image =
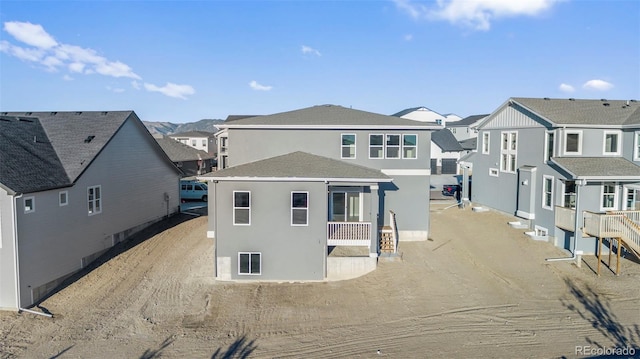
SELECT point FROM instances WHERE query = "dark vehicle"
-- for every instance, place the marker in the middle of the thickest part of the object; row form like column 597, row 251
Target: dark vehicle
column 450, row 189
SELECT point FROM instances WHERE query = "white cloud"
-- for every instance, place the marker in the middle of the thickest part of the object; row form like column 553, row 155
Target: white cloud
column 408, row 37
column 115, row 89
column 256, row 86
column 566, row 88
column 67, row 78
column 477, row 14
column 310, row 50
column 76, row 67
column 598, row 85
column 30, row 34
column 171, row 90
column 135, row 84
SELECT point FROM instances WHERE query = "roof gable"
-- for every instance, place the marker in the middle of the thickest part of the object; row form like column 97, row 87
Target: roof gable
column 299, row 166
column 179, row 152
column 326, row 116
column 446, row 141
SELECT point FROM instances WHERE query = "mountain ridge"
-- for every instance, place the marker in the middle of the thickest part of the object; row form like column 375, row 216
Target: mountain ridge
column 169, row 128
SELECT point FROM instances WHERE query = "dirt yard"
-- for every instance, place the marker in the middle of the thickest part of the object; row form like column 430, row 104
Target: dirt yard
column 477, row 288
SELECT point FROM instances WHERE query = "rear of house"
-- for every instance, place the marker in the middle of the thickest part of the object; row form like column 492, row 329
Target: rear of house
column 99, row 177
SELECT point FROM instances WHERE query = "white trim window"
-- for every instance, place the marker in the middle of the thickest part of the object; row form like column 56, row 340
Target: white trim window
column 632, row 199
column 348, row 145
column 392, row 146
column 63, row 198
column 508, row 151
column 241, row 208
column 547, row 192
column 493, row 172
column 485, row 143
column 612, row 142
column 94, row 200
column 569, row 194
column 609, row 196
column 549, row 145
column 249, row 263
column 299, row 208
column 29, row 204
column 636, row 146
column 376, row 145
column 573, row 142
column 410, row 146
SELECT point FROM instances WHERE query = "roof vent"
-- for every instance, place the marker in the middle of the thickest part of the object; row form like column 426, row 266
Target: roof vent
column 28, row 113
column 78, row 113
column 104, row 113
column 24, row 120
column 606, row 104
column 54, row 113
column 89, row 138
column 603, row 99
column 546, row 98
column 572, row 99
column 632, row 100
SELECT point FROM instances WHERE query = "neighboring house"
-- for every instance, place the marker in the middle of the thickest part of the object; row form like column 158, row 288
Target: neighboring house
column 565, row 166
column 303, row 182
column 223, row 142
column 465, row 128
column 200, row 140
column 72, row 185
column 191, row 161
column 445, row 153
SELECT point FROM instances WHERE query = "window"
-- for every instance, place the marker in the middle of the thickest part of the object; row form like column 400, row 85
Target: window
column 493, row 172
column 348, row 146
column 547, row 192
column 94, row 200
column 63, row 198
column 549, row 146
column 299, row 208
column 193, row 143
column 204, row 143
column 632, row 200
column 376, row 146
column 345, row 207
column 611, row 143
column 241, row 208
column 29, row 204
column 636, row 146
column 609, row 195
column 249, row 263
column 453, row 130
column 508, row 151
column 541, row 231
column 392, row 146
column 409, row 146
column 485, row 143
column 569, row 197
column 573, row 142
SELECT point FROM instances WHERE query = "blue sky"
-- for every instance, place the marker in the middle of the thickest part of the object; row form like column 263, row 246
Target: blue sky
column 188, row 60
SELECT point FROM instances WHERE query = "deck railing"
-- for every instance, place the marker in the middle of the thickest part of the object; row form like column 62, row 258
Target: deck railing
column 566, row 218
column 348, row 233
column 613, row 226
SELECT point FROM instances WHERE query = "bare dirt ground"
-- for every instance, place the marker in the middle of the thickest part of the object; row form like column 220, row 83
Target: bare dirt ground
column 477, row 288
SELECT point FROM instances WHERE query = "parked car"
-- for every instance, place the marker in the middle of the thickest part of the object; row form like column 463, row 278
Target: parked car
column 193, row 190
column 450, row 189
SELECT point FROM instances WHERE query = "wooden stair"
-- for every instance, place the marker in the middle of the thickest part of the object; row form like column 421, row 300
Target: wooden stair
column 388, row 236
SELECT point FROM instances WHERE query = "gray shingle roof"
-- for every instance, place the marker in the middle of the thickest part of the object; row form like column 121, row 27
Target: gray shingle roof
column 469, row 144
column 446, row 141
column 599, row 167
column 327, row 116
column 237, row 117
column 467, row 121
column 584, row 112
column 299, row 165
column 28, row 162
column 179, row 152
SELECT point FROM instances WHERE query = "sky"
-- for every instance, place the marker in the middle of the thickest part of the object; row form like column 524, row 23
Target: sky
column 182, row 61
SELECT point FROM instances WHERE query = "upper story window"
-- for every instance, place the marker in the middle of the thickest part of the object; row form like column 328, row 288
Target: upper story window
column 549, row 146
column 392, row 145
column 573, row 142
column 348, row 147
column 63, row 198
column 376, row 146
column 612, row 142
column 509, row 151
column 547, row 192
column 241, row 208
column 29, row 204
column 569, row 194
column 409, row 146
column 299, row 208
column 193, row 143
column 204, row 143
column 94, row 200
column 485, row 143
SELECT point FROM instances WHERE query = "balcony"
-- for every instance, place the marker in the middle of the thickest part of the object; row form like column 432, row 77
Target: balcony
column 565, row 218
column 348, row 233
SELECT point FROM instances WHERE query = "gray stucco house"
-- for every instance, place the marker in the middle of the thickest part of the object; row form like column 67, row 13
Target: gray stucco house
column 569, row 168
column 72, row 185
column 302, row 182
column 188, row 159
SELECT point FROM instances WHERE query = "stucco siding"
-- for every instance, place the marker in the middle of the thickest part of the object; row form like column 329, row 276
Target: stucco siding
column 287, row 252
column 408, row 197
column 133, row 179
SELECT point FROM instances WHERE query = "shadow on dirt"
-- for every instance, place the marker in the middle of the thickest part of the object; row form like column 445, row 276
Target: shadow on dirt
column 241, row 348
column 596, row 309
column 156, row 353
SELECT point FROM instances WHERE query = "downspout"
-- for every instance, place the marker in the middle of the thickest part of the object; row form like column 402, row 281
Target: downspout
column 577, row 227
